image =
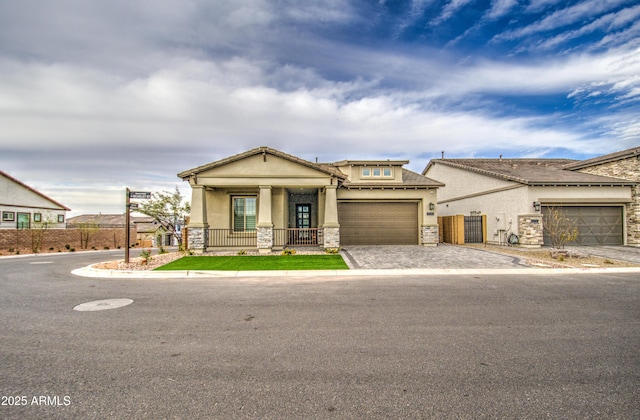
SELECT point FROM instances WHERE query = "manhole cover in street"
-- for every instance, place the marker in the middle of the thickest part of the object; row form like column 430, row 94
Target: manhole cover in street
column 101, row 305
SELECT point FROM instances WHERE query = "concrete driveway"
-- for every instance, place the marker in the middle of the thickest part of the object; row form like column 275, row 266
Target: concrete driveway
column 414, row 256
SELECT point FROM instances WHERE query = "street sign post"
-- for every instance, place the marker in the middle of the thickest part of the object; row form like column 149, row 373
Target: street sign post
column 136, row 195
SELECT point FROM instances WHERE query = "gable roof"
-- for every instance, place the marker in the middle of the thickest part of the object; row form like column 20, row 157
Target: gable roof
column 33, row 190
column 410, row 179
column 611, row 157
column 532, row 172
column 263, row 150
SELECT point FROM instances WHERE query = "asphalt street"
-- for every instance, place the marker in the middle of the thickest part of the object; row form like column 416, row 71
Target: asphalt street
column 473, row 346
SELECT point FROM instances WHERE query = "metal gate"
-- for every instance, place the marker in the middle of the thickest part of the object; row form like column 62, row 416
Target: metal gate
column 473, row 230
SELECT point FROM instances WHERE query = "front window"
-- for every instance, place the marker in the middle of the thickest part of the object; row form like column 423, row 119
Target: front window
column 244, row 214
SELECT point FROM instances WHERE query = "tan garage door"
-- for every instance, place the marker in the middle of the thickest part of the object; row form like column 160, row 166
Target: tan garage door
column 597, row 225
column 379, row 223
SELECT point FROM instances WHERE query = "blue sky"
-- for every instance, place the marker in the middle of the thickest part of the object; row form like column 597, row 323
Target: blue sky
column 97, row 96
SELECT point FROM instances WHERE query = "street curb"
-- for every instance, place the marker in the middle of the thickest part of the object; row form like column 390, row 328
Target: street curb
column 90, row 271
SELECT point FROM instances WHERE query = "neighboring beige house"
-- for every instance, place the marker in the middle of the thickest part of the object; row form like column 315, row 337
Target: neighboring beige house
column 266, row 199
column 515, row 193
column 23, row 207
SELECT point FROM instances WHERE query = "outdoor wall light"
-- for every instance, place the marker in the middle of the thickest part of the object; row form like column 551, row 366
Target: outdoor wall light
column 432, row 206
column 536, row 205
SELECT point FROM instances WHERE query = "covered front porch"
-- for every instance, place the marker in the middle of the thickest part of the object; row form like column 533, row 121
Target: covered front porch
column 264, row 217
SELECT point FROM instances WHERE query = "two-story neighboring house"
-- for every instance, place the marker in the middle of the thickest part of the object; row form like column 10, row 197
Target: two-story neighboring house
column 266, row 199
column 23, row 207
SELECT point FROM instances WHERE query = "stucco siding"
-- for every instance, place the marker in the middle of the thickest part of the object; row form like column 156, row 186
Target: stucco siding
column 12, row 194
column 460, row 183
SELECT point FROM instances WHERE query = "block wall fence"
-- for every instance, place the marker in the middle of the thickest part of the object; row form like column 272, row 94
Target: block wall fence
column 54, row 240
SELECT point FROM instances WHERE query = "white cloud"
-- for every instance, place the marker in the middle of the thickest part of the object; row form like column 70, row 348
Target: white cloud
column 449, row 10
column 607, row 22
column 500, row 7
column 563, row 17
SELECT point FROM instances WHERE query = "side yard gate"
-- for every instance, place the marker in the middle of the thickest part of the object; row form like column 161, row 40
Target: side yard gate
column 460, row 229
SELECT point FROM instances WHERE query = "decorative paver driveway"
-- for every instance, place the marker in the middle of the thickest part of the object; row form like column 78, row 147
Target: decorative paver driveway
column 414, row 256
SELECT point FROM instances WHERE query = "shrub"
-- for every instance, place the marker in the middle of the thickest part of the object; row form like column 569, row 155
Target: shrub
column 146, row 255
column 242, row 252
column 288, row 251
column 332, row 250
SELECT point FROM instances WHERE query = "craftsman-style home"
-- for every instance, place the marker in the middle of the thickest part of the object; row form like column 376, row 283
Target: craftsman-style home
column 267, row 199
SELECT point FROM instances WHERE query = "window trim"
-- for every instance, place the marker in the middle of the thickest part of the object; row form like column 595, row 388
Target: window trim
column 37, row 217
column 8, row 216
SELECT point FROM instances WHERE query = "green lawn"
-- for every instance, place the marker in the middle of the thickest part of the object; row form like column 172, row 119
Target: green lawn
column 262, row 262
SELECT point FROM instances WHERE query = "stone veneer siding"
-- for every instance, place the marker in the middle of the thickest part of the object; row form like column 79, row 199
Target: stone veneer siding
column 265, row 238
column 530, row 232
column 331, row 237
column 197, row 238
column 429, row 235
column 626, row 169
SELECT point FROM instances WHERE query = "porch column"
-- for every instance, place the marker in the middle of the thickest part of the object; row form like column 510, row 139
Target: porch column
column 265, row 224
column 331, row 226
column 198, row 226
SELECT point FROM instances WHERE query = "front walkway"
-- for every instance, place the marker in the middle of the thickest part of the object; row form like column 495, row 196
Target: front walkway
column 443, row 256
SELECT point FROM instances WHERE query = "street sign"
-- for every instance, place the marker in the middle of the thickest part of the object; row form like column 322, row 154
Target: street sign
column 140, row 195
column 133, row 206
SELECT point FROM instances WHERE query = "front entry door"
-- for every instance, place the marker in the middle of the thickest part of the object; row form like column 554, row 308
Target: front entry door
column 303, row 216
column 303, row 236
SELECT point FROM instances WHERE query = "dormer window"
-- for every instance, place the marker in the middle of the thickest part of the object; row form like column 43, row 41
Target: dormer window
column 377, row 172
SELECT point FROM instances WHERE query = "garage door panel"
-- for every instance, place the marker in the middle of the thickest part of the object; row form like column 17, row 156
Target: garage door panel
column 597, row 225
column 379, row 223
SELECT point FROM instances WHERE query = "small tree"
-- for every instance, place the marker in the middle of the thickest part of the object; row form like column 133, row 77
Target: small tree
column 168, row 209
column 87, row 230
column 37, row 234
column 558, row 227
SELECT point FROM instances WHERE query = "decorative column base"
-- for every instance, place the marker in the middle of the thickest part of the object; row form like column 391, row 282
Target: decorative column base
column 429, row 235
column 198, row 239
column 331, row 237
column 265, row 239
column 530, row 232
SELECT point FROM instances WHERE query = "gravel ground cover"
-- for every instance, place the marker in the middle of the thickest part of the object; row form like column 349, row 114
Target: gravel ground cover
column 541, row 257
